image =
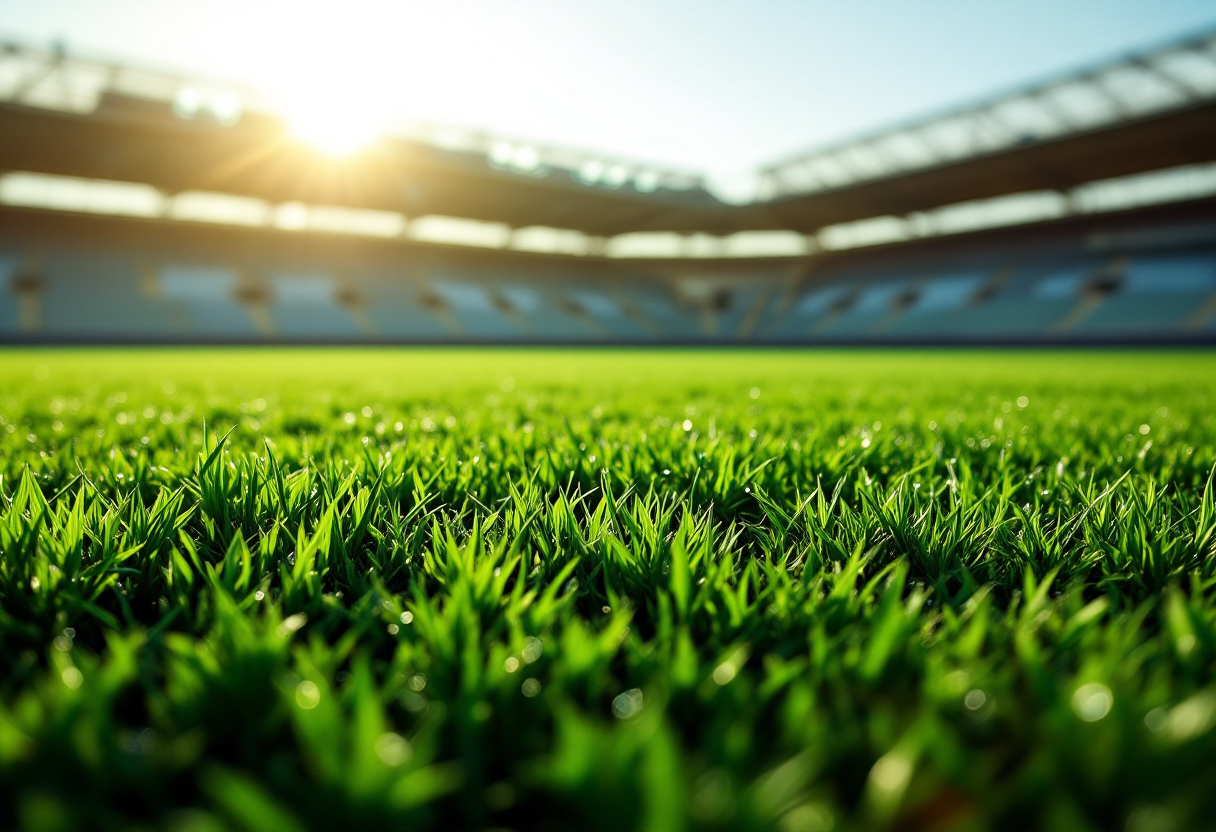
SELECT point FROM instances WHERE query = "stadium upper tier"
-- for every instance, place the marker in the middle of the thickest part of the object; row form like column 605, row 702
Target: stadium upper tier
column 1142, row 112
column 66, row 116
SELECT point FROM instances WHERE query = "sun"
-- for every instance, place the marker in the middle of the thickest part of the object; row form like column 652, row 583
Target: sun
column 335, row 129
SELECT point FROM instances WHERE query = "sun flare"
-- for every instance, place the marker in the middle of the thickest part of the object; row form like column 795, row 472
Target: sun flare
column 338, row 130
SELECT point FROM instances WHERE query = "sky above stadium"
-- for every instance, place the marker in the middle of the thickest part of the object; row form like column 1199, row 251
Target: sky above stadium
column 710, row 85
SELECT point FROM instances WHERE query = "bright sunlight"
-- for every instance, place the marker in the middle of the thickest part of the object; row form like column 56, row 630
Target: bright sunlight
column 334, row 127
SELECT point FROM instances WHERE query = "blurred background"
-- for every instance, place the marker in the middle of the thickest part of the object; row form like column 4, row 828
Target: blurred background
column 607, row 172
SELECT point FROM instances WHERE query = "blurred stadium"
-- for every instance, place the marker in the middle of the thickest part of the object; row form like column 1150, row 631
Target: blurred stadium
column 143, row 206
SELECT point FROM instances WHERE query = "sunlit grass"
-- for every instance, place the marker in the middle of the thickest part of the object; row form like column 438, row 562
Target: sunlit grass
column 607, row 590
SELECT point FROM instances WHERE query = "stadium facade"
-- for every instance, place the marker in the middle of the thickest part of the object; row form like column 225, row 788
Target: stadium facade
column 142, row 206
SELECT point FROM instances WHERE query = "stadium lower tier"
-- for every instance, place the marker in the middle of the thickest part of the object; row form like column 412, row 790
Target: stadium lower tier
column 1146, row 277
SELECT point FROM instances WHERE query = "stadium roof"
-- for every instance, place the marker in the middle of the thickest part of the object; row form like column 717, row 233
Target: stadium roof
column 1141, row 112
column 192, row 139
column 91, row 118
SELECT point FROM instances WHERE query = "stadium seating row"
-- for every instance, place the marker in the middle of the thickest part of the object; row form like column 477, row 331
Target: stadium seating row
column 100, row 295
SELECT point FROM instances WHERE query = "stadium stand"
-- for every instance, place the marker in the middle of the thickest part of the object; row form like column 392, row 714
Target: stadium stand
column 129, row 213
column 1043, row 283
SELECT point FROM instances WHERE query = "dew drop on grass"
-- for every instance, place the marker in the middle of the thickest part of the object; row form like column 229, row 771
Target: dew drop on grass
column 1092, row 701
column 724, row 672
column 511, row 664
column 1192, row 717
column 530, row 687
column 975, row 699
column 1156, row 720
column 627, row 704
column 392, row 749
column 808, row 817
column 71, row 677
column 1153, row 819
column 532, row 650
column 891, row 773
column 293, row 622
column 308, row 695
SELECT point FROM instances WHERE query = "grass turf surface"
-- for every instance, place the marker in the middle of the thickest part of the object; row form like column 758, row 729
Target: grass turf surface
column 607, row 590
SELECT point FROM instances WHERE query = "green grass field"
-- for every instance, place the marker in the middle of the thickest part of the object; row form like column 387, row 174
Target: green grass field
column 358, row 589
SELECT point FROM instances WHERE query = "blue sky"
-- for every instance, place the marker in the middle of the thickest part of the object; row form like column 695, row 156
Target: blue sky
column 711, row 85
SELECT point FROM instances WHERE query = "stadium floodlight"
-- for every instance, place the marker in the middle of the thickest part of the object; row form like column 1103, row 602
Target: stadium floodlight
column 501, row 154
column 191, row 103
column 187, row 102
column 226, row 108
column 525, row 159
column 616, row 176
column 591, row 171
column 522, row 158
column 646, row 181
